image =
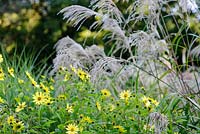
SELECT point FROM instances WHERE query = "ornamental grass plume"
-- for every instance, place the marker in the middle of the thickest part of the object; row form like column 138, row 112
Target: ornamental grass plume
column 159, row 122
column 110, row 71
column 71, row 53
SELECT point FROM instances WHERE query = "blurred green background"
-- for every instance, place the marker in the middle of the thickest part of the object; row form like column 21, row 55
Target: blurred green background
column 34, row 25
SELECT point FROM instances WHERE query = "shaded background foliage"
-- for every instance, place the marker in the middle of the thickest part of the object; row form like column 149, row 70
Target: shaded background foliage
column 35, row 25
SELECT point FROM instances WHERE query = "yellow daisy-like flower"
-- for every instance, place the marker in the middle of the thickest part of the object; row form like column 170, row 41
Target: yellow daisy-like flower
column 69, row 109
column 34, row 83
column 1, row 74
column 147, row 104
column 125, row 95
column 48, row 100
column 51, row 87
column 20, row 81
column 20, row 106
column 18, row 126
column 62, row 97
column 111, row 107
column 98, row 106
column 39, row 98
column 120, row 129
column 72, row 129
column 144, row 99
column 11, row 71
column 87, row 119
column 155, row 102
column 148, row 127
column 73, row 69
column 11, row 120
column 1, row 58
column 67, row 77
column 52, row 80
column 1, row 100
column 105, row 93
column 45, row 88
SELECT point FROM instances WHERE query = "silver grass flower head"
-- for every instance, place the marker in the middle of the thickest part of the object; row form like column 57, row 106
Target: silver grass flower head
column 107, row 7
column 109, row 71
column 188, row 6
column 68, row 52
column 159, row 121
column 76, row 15
column 95, row 52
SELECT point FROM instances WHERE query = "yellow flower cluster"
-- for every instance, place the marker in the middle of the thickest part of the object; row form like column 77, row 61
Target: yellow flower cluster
column 81, row 74
column 149, row 101
column 17, row 125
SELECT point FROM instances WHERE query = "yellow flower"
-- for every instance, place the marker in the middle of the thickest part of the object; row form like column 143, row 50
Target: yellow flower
column 83, row 75
column 11, row 71
column 120, row 129
column 147, row 104
column 73, row 69
column 20, row 106
column 34, row 83
column 1, row 100
column 144, row 99
column 72, row 129
column 125, row 95
column 48, row 100
column 155, row 102
column 1, row 58
column 87, row 119
column 132, row 118
column 18, row 126
column 51, row 87
column 1, row 74
column 29, row 75
column 11, row 120
column 43, row 77
column 20, row 81
column 67, row 77
column 105, row 93
column 98, row 106
column 39, row 98
column 52, row 80
column 112, row 107
column 148, row 127
column 69, row 108
column 62, row 97
column 45, row 88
